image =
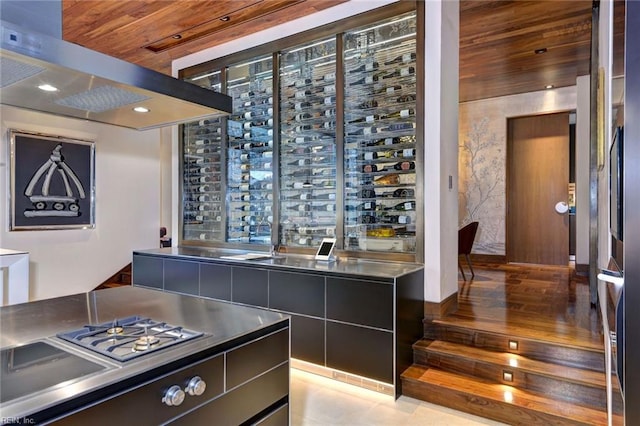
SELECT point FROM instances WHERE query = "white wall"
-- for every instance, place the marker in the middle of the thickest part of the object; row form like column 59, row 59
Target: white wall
column 127, row 177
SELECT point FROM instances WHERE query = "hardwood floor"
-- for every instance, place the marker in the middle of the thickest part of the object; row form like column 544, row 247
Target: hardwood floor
column 524, row 347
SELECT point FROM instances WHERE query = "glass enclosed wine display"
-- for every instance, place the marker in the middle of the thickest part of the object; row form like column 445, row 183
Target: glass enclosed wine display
column 308, row 143
column 380, row 136
column 203, row 197
column 327, row 150
column 249, row 150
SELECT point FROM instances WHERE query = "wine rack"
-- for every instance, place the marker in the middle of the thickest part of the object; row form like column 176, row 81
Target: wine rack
column 308, row 144
column 250, row 152
column 379, row 136
column 202, row 174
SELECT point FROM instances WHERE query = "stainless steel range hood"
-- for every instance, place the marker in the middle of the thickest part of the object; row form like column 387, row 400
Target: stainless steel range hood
column 94, row 86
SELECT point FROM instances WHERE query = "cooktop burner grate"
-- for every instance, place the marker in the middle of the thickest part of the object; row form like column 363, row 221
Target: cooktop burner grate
column 127, row 338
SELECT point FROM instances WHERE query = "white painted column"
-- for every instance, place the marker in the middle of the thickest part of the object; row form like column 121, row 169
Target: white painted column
column 441, row 149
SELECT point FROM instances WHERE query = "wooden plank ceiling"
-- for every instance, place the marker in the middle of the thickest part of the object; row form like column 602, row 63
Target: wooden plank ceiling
column 498, row 39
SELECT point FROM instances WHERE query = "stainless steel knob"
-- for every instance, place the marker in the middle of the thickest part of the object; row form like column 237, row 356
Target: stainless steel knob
column 173, row 396
column 196, row 386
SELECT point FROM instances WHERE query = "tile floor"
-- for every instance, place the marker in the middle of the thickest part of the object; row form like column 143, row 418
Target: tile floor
column 319, row 401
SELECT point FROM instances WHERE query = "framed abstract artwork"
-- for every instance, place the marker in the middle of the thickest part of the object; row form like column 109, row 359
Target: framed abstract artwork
column 52, row 182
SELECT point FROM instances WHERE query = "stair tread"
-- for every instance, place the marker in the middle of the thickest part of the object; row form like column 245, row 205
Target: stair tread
column 514, row 361
column 579, row 341
column 504, row 394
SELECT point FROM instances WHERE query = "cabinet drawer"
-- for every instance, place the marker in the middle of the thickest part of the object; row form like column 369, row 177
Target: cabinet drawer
column 307, row 339
column 215, row 281
column 361, row 351
column 250, row 286
column 181, row 276
column 297, row 293
column 360, row 302
column 147, row 271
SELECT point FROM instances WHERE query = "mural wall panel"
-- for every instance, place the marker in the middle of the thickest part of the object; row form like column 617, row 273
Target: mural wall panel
column 482, row 158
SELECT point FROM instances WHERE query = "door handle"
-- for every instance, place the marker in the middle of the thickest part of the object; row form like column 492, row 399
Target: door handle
column 562, row 207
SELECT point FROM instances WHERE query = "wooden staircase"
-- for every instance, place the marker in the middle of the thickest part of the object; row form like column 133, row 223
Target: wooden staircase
column 119, row 279
column 510, row 372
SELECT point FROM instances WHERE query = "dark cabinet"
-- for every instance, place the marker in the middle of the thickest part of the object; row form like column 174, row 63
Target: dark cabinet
column 181, row 276
column 297, row 293
column 360, row 302
column 359, row 350
column 215, row 281
column 364, row 327
column 148, row 271
column 307, row 339
column 250, row 286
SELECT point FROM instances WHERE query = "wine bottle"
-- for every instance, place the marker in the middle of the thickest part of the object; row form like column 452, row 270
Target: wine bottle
column 324, row 207
column 204, row 122
column 330, row 112
column 298, row 106
column 248, row 104
column 300, row 207
column 330, row 88
column 403, row 193
column 389, row 90
column 302, row 128
column 403, row 113
column 405, row 58
column 369, row 168
column 400, row 219
column 300, row 83
column 329, row 196
column 402, row 72
column 367, row 218
column 202, row 141
column 406, row 98
column 390, row 179
column 303, row 116
column 327, row 77
column 370, row 79
column 394, row 127
column 247, row 95
column 244, row 208
column 302, row 94
column 328, row 125
column 303, row 162
column 303, row 139
column 300, row 185
column 363, row 131
column 372, row 103
column 384, row 142
column 369, row 66
column 329, row 100
column 366, row 206
column 367, row 119
column 405, row 153
column 406, row 206
column 405, row 165
column 367, row 193
column 373, row 155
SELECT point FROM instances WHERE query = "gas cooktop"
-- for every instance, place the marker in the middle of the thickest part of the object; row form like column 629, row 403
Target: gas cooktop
column 127, row 338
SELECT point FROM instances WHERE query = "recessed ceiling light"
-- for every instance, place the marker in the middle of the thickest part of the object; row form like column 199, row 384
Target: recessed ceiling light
column 141, row 109
column 177, row 37
column 225, row 18
column 48, row 88
column 540, row 51
column 549, row 86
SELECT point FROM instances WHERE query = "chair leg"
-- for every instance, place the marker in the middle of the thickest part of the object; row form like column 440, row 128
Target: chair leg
column 461, row 270
column 470, row 266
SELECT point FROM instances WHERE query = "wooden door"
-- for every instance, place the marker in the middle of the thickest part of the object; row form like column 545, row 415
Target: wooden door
column 537, row 179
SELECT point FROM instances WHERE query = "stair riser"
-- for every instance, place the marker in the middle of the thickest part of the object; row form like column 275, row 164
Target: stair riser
column 543, row 351
column 580, row 394
column 472, row 404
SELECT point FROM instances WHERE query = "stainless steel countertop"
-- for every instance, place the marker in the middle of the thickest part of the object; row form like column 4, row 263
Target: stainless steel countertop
column 41, row 320
column 342, row 266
